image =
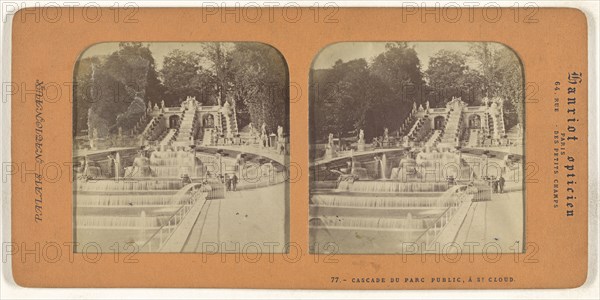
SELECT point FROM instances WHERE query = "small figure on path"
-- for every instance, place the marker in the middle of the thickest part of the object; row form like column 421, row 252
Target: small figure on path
column 494, row 185
column 227, row 182
column 234, row 180
column 501, row 184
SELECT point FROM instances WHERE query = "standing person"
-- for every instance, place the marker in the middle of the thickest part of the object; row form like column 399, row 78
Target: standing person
column 227, row 183
column 501, row 184
column 234, row 180
column 494, row 185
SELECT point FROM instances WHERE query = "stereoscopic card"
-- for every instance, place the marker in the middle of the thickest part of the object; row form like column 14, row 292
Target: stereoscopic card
column 306, row 148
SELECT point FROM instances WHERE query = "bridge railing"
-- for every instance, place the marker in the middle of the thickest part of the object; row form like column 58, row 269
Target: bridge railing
column 431, row 234
column 186, row 197
column 483, row 193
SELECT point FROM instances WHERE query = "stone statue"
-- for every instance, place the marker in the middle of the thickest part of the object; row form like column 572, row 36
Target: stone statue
column 485, row 101
column 414, row 106
column 361, row 141
column 405, row 141
column 420, row 107
column 386, row 137
column 156, row 106
column 493, row 109
column 226, row 110
column 263, row 135
column 427, row 105
column 92, row 141
column 498, row 100
column 330, row 151
column 280, row 132
column 251, row 128
column 162, row 104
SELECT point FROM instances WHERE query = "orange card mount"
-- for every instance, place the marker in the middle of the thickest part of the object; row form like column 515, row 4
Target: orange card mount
column 245, row 148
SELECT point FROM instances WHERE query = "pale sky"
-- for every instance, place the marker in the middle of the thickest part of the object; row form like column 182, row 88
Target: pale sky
column 324, row 59
column 159, row 49
column 368, row 50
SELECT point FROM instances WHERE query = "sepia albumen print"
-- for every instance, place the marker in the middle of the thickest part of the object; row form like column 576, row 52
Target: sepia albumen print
column 181, row 147
column 416, row 147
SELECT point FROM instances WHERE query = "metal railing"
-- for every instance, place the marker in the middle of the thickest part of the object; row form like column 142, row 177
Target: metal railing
column 187, row 197
column 483, row 193
column 431, row 234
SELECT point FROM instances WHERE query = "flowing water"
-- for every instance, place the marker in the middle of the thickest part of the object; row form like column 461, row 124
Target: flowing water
column 377, row 216
column 383, row 166
column 131, row 210
column 376, row 202
column 392, row 186
column 101, row 200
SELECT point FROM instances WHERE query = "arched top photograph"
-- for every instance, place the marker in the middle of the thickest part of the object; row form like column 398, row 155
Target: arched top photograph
column 171, row 138
column 416, row 142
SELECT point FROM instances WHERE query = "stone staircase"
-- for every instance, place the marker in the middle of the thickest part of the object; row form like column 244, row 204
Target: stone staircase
column 498, row 125
column 474, row 139
column 153, row 130
column 452, row 127
column 419, row 131
column 228, row 125
column 186, row 127
column 207, row 138
column 433, row 139
column 491, row 127
column 168, row 138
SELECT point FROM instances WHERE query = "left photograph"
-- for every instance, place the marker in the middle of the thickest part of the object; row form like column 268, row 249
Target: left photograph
column 181, row 147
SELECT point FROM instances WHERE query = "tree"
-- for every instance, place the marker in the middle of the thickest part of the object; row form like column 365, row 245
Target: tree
column 398, row 65
column 258, row 80
column 399, row 69
column 510, row 76
column 502, row 76
column 152, row 89
column 484, row 54
column 123, row 78
column 354, row 95
column 450, row 76
column 82, row 93
column 347, row 98
column 218, row 56
column 183, row 76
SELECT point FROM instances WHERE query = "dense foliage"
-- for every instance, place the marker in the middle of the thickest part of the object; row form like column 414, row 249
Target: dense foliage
column 113, row 91
column 379, row 94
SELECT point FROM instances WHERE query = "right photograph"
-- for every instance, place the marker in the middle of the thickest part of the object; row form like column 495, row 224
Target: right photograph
column 417, row 147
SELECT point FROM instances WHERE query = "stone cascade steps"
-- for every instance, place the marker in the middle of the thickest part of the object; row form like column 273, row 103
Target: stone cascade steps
column 474, row 137
column 186, row 126
column 452, row 127
column 433, row 139
column 168, row 137
column 153, row 130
